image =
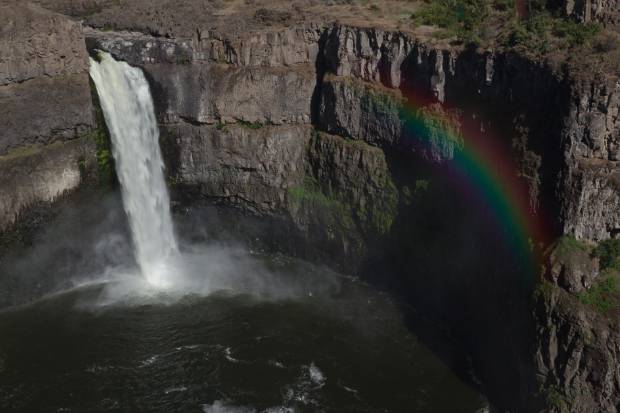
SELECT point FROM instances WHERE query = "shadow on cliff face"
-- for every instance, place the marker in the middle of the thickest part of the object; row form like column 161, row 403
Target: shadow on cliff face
column 447, row 258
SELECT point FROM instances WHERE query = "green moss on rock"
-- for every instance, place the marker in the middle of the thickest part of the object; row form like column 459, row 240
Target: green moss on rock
column 556, row 399
column 608, row 253
column 567, row 246
column 309, row 195
column 604, row 295
column 101, row 136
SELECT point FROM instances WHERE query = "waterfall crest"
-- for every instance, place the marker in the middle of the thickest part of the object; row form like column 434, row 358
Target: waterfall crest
column 129, row 114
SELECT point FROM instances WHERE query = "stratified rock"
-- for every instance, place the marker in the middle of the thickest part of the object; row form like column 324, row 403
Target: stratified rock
column 577, row 354
column 571, row 267
column 248, row 167
column 45, row 99
column 35, row 42
column 41, row 174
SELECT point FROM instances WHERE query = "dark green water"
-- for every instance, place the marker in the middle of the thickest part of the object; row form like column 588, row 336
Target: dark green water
column 341, row 348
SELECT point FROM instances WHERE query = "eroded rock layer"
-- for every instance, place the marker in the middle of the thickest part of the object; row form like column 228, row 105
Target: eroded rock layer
column 289, row 115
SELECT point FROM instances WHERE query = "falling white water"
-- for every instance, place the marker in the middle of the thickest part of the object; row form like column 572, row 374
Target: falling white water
column 128, row 109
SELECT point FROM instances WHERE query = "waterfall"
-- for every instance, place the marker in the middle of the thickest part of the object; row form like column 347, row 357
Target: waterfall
column 129, row 114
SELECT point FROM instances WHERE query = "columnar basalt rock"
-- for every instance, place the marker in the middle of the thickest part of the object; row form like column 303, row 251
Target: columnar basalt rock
column 302, row 119
column 577, row 354
column 604, row 11
column 251, row 168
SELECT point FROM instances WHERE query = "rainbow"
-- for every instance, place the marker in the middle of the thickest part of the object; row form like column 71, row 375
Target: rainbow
column 489, row 171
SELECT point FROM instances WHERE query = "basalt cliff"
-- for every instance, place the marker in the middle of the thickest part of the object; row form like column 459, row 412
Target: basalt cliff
column 300, row 116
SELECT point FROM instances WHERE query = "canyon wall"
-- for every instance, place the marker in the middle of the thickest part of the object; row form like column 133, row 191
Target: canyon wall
column 603, row 11
column 307, row 123
column 46, row 107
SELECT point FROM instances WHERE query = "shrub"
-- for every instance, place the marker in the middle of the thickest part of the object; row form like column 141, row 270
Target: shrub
column 535, row 33
column 250, row 125
column 606, row 44
column 604, row 295
column 504, row 5
column 463, row 19
column 568, row 246
column 576, row 33
column 556, row 399
column 608, row 253
column 532, row 34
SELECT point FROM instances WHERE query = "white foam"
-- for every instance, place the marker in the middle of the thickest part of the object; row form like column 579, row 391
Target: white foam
column 219, row 406
column 316, row 375
column 149, row 361
column 178, row 389
column 276, row 363
column 229, row 357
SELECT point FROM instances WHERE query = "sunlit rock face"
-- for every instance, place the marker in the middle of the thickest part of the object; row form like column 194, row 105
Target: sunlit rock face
column 43, row 70
column 39, row 175
column 46, row 107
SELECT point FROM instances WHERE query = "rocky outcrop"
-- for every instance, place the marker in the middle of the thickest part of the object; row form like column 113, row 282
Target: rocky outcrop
column 196, row 84
column 46, row 105
column 41, row 174
column 604, row 11
column 36, row 43
column 577, row 354
column 62, row 106
column 592, row 183
column 346, row 202
column 570, row 265
column 250, row 168
column 309, row 122
column 361, row 110
column 43, row 70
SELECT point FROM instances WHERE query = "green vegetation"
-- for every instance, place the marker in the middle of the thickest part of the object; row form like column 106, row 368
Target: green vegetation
column 567, row 247
column 250, row 125
column 22, row 151
column 82, row 166
column 421, row 185
column 604, row 295
column 383, row 209
column 607, row 43
column 221, row 126
column 463, row 19
column 538, row 32
column 101, row 136
column 373, row 218
column 608, row 253
column 482, row 21
column 576, row 33
column 310, row 195
column 556, row 399
column 184, row 60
